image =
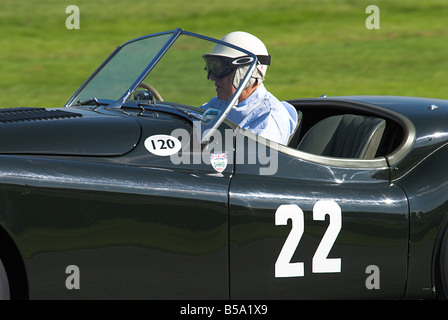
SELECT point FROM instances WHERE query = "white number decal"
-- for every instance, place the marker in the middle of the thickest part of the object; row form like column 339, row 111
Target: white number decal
column 283, row 266
column 162, row 145
column 321, row 263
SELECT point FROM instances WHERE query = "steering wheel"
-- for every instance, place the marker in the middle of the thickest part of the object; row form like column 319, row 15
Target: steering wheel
column 152, row 90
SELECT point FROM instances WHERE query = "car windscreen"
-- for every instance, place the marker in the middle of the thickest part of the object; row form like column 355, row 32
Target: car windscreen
column 117, row 74
column 169, row 67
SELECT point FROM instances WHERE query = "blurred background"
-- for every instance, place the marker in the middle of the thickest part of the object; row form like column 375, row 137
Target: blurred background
column 317, row 46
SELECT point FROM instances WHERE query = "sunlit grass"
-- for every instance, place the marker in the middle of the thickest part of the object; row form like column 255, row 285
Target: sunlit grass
column 318, row 46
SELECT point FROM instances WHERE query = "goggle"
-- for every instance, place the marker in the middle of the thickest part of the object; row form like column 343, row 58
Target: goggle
column 221, row 67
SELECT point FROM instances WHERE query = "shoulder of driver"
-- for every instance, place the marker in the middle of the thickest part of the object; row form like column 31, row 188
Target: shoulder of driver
column 263, row 114
column 274, row 120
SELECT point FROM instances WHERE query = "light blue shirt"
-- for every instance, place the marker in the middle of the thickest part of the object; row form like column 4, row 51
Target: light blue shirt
column 263, row 114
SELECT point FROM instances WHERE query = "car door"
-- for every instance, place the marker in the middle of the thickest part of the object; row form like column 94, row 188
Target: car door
column 310, row 229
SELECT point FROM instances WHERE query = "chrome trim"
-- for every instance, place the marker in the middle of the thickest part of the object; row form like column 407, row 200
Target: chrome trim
column 208, row 129
column 176, row 34
column 118, row 48
column 403, row 149
column 379, row 163
column 432, row 107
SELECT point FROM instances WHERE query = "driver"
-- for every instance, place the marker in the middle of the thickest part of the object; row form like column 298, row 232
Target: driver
column 257, row 109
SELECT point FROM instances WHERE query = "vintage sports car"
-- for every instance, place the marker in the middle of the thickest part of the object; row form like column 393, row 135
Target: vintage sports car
column 132, row 190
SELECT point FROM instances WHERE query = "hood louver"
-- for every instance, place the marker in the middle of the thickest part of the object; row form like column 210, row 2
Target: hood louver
column 34, row 114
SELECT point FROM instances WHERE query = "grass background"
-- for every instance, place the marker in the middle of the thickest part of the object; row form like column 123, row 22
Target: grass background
column 318, row 46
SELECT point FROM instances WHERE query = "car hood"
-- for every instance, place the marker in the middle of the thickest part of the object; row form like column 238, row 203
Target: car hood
column 66, row 131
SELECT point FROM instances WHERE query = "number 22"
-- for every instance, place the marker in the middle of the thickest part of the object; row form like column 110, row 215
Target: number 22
column 320, row 264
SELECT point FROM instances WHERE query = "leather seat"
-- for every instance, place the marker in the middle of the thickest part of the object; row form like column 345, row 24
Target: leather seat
column 347, row 136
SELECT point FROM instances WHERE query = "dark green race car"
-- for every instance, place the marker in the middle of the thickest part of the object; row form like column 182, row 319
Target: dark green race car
column 133, row 191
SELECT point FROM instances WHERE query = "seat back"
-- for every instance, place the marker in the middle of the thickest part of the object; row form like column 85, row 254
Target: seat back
column 347, row 136
column 297, row 117
column 295, row 136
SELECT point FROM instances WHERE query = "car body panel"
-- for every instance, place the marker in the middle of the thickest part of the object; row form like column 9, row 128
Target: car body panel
column 130, row 228
column 374, row 231
column 426, row 189
column 64, row 132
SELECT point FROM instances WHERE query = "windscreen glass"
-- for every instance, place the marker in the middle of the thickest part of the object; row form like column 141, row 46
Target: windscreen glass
column 120, row 72
column 176, row 69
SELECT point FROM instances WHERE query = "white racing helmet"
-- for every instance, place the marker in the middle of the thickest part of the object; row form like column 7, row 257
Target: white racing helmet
column 223, row 59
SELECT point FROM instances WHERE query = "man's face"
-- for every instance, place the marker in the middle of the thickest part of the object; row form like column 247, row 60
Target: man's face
column 224, row 86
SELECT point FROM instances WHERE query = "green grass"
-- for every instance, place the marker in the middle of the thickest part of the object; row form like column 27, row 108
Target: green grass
column 318, row 46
